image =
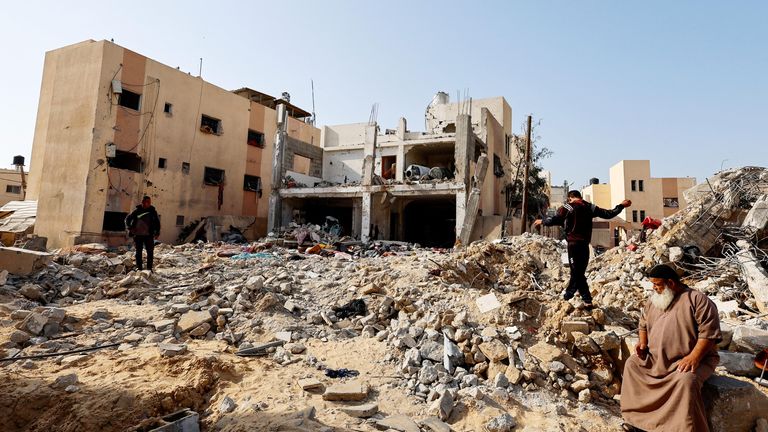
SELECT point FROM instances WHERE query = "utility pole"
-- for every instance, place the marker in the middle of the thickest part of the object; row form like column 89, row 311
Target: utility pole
column 525, row 177
column 274, row 220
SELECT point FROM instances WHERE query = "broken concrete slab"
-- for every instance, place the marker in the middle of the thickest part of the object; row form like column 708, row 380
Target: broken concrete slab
column 741, row 364
column 23, row 262
column 487, row 303
column 748, row 339
column 398, row 422
column 192, row 319
column 351, row 391
column 545, row 352
column 494, row 350
column 754, row 275
column 170, row 350
column 360, row 411
column 732, row 405
column 308, row 384
column 34, row 323
column 569, row 327
column 434, row 424
column 757, row 217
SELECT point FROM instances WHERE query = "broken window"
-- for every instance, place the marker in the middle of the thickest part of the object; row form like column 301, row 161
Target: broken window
column 162, row 163
column 642, row 215
column 185, row 167
column 640, row 185
column 634, row 215
column 498, row 168
column 213, row 176
column 634, row 185
column 301, row 164
column 12, row 189
column 168, row 108
column 126, row 160
column 129, row 99
column 210, row 125
column 255, row 138
column 672, row 202
column 252, row 183
column 388, row 165
column 114, row 221
column 179, row 220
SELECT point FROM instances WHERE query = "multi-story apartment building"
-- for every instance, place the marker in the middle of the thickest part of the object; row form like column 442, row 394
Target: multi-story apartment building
column 10, row 186
column 651, row 197
column 113, row 125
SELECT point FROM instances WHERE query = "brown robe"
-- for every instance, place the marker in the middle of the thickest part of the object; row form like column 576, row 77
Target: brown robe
column 654, row 395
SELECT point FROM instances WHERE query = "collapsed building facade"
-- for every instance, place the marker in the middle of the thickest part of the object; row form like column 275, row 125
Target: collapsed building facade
column 113, row 125
column 451, row 182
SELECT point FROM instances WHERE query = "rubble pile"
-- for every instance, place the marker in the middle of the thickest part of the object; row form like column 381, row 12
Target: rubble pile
column 465, row 337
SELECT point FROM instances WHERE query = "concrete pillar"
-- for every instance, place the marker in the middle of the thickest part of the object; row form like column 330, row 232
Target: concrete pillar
column 365, row 225
column 400, row 163
column 357, row 217
column 401, row 128
column 461, row 209
column 369, row 154
column 274, row 215
column 464, row 148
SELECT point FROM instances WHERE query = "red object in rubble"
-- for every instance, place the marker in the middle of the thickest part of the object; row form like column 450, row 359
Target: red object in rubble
column 632, row 247
column 651, row 223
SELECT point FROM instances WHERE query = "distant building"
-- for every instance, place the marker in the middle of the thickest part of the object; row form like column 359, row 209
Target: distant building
column 651, row 197
column 114, row 125
column 10, row 186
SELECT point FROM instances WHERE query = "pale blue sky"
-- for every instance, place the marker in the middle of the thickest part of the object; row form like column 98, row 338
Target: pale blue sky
column 684, row 84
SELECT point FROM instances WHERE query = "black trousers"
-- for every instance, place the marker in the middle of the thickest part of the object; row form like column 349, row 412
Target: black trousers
column 578, row 258
column 147, row 242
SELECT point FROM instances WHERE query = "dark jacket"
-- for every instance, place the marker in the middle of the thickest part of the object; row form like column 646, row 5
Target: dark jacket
column 577, row 216
column 143, row 222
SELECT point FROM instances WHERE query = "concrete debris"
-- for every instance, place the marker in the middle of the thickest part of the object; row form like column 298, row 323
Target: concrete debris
column 399, row 422
column 351, row 391
column 501, row 423
column 227, row 405
column 361, row 411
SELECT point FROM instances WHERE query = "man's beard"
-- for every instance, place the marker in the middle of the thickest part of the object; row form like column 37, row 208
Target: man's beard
column 663, row 300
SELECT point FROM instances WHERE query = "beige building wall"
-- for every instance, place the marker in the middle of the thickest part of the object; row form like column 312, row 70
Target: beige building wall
column 598, row 194
column 10, row 186
column 80, row 115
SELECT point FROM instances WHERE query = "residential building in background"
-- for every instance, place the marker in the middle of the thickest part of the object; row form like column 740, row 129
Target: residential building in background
column 654, row 197
column 10, row 186
column 114, row 125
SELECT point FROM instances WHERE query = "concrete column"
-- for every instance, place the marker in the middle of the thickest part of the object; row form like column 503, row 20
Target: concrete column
column 274, row 215
column 464, row 148
column 400, row 163
column 369, row 154
column 461, row 209
column 357, row 217
column 401, row 128
column 365, row 233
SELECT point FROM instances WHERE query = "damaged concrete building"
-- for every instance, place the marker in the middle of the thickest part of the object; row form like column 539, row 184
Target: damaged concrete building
column 114, row 125
column 450, row 182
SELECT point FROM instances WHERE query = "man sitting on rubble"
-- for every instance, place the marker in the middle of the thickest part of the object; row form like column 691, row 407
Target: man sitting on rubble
column 576, row 216
column 677, row 352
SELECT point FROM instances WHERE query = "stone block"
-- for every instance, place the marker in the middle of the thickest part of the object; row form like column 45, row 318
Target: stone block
column 398, row 422
column 569, row 327
column 494, row 350
column 170, row 350
column 434, row 424
column 732, row 405
column 308, row 384
column 22, row 261
column 545, row 352
column 487, row 303
column 360, row 411
column 749, row 339
column 351, row 391
column 192, row 319
column 742, row 364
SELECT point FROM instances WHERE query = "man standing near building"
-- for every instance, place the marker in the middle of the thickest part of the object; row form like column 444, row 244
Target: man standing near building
column 679, row 331
column 576, row 217
column 144, row 226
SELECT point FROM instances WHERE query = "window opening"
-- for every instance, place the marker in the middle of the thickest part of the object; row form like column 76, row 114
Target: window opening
column 12, row 189
column 252, row 183
column 634, row 215
column 114, row 221
column 179, row 220
column 255, row 138
column 642, row 215
column 129, row 100
column 162, row 163
column 210, row 125
column 634, row 185
column 126, row 160
column 640, row 185
column 213, row 176
column 185, row 167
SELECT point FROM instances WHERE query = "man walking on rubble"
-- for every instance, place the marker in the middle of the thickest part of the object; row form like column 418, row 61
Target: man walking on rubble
column 679, row 331
column 576, row 217
column 144, row 226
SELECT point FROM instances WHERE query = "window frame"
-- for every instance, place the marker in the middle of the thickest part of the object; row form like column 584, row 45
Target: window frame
column 121, row 97
column 208, row 173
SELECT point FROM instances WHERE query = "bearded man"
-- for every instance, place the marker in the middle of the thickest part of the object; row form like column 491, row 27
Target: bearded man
column 677, row 352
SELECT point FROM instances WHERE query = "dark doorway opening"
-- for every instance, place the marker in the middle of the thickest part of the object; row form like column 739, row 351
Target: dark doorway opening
column 316, row 211
column 431, row 222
